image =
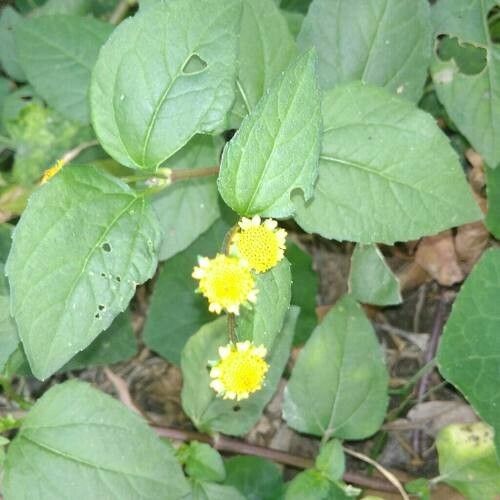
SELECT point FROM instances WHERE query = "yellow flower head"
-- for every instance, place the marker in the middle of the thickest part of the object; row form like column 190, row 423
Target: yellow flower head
column 50, row 172
column 240, row 371
column 226, row 282
column 262, row 244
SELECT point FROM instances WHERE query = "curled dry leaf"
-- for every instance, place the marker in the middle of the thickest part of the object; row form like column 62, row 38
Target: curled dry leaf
column 437, row 255
column 476, row 174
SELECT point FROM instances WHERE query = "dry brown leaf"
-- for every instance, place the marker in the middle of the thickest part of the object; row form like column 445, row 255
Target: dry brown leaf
column 470, row 242
column 476, row 174
column 434, row 415
column 437, row 255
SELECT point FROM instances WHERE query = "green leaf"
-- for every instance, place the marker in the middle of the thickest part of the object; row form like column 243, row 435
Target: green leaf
column 213, row 414
column 8, row 331
column 266, row 49
column 171, row 63
column 9, row 19
column 212, row 491
column 331, row 460
column 472, row 100
column 78, row 441
column 420, row 488
column 276, row 149
column 57, row 53
column 6, row 87
column 264, row 321
column 467, row 460
column 176, row 312
column 493, row 191
column 304, row 291
column 202, row 462
column 338, row 387
column 295, row 5
column 469, row 350
column 117, row 343
column 254, row 477
column 371, row 280
column 312, row 485
column 387, row 172
column 90, row 240
column 41, row 136
column 187, row 209
column 385, row 43
column 18, row 100
column 75, row 7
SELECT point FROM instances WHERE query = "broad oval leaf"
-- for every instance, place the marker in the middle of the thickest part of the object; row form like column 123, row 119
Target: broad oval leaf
column 266, row 49
column 471, row 100
column 382, row 42
column 276, row 149
column 338, row 387
column 164, row 75
column 77, row 439
column 263, row 322
column 210, row 413
column 469, row 352
column 371, row 280
column 83, row 244
column 387, row 173
column 61, row 48
column 187, row 209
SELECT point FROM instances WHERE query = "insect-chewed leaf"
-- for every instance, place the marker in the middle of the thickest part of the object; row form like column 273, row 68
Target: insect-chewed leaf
column 164, row 75
column 83, row 244
column 276, row 149
column 471, row 98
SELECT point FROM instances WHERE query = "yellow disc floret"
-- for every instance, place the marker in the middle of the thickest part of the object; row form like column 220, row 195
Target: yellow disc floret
column 240, row 371
column 50, row 172
column 226, row 282
column 262, row 244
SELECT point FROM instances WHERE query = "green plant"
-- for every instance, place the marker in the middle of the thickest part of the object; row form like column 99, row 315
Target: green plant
column 188, row 139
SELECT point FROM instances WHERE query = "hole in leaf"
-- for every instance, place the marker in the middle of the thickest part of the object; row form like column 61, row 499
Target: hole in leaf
column 97, row 316
column 106, row 247
column 494, row 24
column 103, row 275
column 101, row 307
column 236, row 408
column 470, row 59
column 118, row 279
column 194, row 65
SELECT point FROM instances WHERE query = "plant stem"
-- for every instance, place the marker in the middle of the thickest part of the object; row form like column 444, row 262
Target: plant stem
column 73, row 153
column 430, row 353
column 225, row 444
column 190, row 173
column 121, row 11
